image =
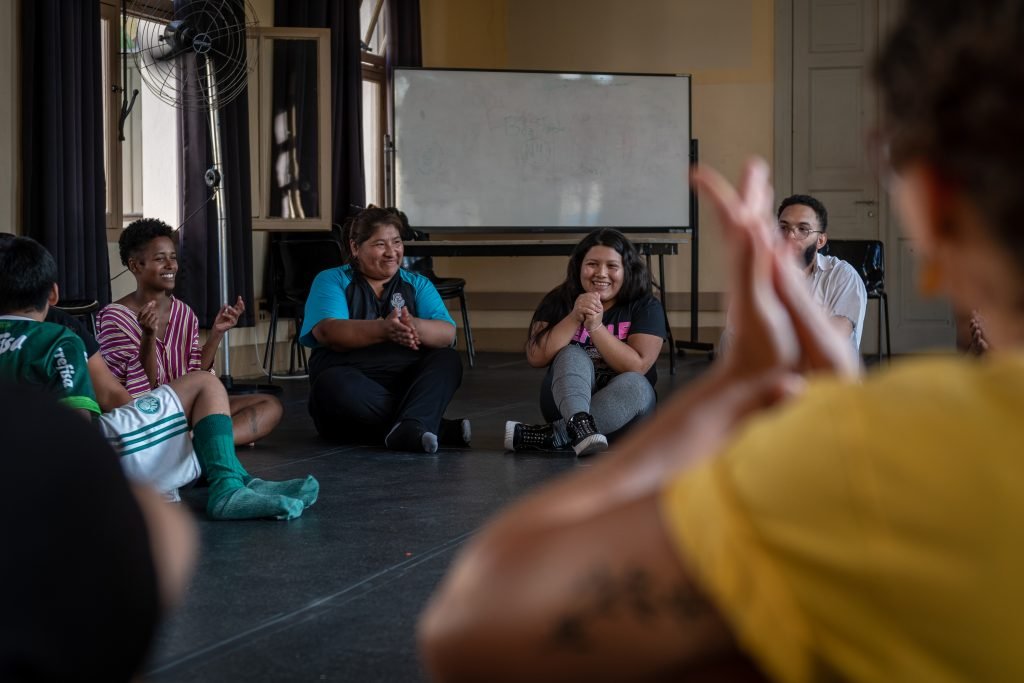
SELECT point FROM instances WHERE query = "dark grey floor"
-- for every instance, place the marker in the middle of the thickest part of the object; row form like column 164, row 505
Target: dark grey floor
column 334, row 595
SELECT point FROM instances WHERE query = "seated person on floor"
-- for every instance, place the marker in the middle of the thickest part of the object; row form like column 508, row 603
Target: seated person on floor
column 87, row 572
column 149, row 337
column 599, row 333
column 834, row 283
column 150, row 433
column 382, row 368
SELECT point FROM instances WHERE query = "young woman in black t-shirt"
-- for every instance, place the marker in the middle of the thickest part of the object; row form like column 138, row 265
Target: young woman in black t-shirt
column 599, row 334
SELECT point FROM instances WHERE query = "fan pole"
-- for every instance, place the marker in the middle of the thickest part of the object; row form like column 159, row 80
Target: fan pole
column 215, row 180
column 220, row 199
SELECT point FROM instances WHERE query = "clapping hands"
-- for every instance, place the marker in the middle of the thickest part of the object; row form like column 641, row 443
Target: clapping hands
column 588, row 310
column 228, row 316
column 979, row 342
column 149, row 319
column 778, row 325
column 401, row 329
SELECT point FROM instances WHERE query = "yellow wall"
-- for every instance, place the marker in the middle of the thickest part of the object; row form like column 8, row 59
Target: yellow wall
column 465, row 33
column 726, row 45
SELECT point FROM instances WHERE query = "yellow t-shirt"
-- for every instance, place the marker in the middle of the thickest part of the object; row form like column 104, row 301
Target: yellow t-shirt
column 871, row 532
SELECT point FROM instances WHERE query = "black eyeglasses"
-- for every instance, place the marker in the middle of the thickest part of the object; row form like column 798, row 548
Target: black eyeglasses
column 798, row 231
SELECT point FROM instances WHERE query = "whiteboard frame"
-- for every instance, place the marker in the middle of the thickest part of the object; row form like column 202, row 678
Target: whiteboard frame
column 392, row 151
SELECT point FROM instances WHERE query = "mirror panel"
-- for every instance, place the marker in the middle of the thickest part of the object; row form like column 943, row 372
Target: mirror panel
column 291, row 133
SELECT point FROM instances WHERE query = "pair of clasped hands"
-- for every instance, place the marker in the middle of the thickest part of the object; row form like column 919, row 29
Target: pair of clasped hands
column 399, row 328
column 588, row 311
column 780, row 333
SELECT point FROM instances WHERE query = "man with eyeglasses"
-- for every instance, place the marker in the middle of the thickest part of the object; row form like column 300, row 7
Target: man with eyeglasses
column 834, row 283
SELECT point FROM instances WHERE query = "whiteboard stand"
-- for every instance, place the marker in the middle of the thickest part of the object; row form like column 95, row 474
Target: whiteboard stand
column 682, row 346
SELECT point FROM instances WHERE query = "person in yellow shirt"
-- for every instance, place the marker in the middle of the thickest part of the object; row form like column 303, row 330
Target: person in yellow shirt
column 767, row 526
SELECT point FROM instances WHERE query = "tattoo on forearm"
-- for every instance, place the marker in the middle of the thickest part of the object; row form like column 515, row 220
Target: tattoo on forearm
column 629, row 593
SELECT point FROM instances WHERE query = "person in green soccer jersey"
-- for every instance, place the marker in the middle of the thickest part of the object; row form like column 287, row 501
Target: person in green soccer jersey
column 151, row 432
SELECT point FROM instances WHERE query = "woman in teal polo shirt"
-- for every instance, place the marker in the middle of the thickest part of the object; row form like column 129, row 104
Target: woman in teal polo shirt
column 382, row 367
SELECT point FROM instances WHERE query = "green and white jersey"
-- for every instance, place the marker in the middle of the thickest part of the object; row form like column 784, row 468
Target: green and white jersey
column 49, row 356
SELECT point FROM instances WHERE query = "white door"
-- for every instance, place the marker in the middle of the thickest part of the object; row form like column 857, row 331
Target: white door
column 825, row 112
column 918, row 323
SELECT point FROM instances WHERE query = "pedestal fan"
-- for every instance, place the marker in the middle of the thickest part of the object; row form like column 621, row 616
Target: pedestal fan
column 200, row 42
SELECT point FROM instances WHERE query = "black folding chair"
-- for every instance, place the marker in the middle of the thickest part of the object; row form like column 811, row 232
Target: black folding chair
column 86, row 310
column 294, row 264
column 868, row 258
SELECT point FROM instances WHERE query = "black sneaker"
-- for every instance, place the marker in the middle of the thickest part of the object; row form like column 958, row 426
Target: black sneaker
column 522, row 437
column 454, row 433
column 586, row 440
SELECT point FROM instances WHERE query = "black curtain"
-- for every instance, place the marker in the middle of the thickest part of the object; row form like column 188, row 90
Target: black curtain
column 406, row 48
column 199, row 248
column 346, row 103
column 63, row 188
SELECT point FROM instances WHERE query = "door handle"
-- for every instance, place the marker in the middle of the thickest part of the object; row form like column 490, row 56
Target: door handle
column 867, row 202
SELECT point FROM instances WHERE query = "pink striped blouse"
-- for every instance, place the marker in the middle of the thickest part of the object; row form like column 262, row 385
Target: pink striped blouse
column 120, row 337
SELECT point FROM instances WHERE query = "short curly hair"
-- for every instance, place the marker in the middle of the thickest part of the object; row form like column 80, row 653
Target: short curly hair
column 951, row 76
column 810, row 202
column 138, row 234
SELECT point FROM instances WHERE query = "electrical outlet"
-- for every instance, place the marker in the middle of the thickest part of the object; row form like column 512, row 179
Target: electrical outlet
column 263, row 316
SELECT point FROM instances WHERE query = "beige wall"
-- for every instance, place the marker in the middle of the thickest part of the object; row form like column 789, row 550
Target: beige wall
column 465, row 33
column 727, row 46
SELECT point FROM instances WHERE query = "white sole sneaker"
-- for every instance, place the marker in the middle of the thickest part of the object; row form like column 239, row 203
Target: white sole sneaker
column 510, row 432
column 595, row 443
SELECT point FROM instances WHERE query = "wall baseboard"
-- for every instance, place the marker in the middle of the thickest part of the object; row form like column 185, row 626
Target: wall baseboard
column 513, row 340
column 527, row 301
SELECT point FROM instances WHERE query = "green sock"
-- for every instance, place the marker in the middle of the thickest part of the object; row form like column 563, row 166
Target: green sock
column 244, row 503
column 305, row 490
column 213, row 441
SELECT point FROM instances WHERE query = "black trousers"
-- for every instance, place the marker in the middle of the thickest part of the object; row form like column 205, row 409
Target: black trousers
column 359, row 403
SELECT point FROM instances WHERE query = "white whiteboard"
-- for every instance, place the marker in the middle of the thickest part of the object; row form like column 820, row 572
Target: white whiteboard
column 479, row 150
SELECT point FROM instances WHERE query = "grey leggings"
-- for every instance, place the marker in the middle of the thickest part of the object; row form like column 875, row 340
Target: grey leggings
column 569, row 389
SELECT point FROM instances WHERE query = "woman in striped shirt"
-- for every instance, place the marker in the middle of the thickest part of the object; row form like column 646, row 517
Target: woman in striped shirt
column 149, row 337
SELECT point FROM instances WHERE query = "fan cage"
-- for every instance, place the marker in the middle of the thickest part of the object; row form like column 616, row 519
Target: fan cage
column 194, row 56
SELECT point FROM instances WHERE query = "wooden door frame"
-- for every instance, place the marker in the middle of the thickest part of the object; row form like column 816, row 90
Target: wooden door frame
column 782, row 147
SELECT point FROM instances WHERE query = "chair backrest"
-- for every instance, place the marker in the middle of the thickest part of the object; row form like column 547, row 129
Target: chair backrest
column 301, row 261
column 424, row 265
column 84, row 309
column 866, row 256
